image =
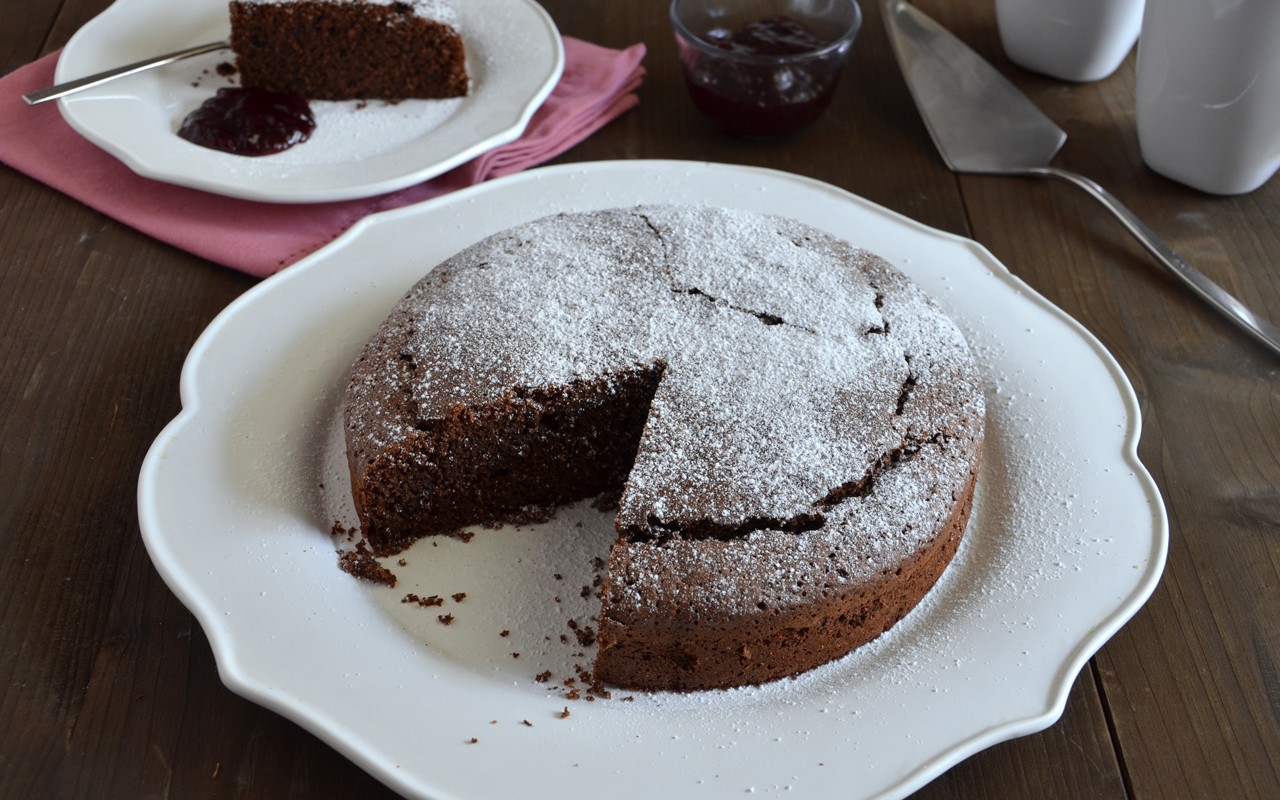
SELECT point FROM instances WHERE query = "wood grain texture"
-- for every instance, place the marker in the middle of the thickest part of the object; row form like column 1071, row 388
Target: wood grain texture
column 108, row 687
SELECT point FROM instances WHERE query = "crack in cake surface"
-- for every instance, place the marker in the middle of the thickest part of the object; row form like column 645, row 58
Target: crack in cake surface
column 764, row 316
column 660, row 531
column 904, row 394
column 865, row 485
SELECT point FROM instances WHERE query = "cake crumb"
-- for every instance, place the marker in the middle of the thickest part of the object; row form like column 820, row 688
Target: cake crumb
column 526, row 723
column 564, row 714
column 585, row 633
column 445, row 619
column 472, row 740
column 338, row 529
column 543, row 677
column 361, row 564
column 504, row 634
column 425, row 602
column 459, row 597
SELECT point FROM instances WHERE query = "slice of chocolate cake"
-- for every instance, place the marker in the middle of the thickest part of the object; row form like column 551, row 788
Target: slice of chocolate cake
column 349, row 49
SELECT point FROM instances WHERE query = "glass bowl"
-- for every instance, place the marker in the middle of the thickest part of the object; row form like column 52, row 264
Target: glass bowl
column 763, row 68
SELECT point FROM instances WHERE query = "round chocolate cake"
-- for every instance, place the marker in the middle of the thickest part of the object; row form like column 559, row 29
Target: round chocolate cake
column 793, row 428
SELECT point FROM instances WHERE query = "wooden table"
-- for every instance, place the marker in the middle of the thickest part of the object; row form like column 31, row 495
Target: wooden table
column 108, row 688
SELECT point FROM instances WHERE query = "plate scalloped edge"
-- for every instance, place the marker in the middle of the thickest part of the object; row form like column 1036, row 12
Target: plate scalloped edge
column 624, row 179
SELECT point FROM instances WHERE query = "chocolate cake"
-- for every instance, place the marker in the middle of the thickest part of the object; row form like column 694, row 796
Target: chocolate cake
column 349, row 49
column 793, row 426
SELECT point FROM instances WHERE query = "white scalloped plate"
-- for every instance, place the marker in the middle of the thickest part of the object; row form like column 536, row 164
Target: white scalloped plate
column 514, row 55
column 238, row 495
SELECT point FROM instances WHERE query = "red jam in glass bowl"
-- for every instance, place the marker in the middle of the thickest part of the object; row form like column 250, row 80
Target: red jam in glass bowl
column 763, row 76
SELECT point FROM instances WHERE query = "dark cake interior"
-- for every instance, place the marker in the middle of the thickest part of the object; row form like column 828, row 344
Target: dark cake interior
column 514, row 460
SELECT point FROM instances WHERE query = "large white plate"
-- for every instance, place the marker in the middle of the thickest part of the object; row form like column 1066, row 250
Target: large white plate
column 514, row 55
column 238, row 495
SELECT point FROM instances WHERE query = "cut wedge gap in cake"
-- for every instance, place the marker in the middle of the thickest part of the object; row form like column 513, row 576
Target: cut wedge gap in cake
column 511, row 461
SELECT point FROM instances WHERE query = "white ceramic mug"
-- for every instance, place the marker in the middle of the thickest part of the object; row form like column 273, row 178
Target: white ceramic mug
column 1208, row 92
column 1073, row 40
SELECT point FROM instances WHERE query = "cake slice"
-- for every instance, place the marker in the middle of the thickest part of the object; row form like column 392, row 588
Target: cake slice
column 349, row 49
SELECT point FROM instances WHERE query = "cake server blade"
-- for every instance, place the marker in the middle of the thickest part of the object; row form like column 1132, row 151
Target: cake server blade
column 982, row 124
column 88, row 82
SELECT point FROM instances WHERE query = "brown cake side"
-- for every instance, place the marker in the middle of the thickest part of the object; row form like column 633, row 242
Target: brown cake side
column 794, row 426
column 349, row 49
column 666, row 642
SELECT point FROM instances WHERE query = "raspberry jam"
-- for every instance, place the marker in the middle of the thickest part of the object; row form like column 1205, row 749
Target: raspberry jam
column 249, row 122
column 771, row 36
column 773, row 79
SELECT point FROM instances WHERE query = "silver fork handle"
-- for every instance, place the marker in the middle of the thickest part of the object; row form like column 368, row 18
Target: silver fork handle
column 1210, row 292
column 70, row 87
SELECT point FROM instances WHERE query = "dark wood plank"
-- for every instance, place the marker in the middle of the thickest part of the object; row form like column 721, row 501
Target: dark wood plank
column 1071, row 758
column 27, row 29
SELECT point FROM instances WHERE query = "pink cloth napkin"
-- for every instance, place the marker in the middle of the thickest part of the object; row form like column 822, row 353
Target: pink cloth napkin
column 261, row 238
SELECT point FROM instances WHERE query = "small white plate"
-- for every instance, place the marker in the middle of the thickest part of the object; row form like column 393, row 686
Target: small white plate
column 238, row 496
column 514, row 55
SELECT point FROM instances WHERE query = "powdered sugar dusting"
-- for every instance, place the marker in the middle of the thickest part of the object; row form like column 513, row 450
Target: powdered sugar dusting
column 351, row 131
column 795, row 366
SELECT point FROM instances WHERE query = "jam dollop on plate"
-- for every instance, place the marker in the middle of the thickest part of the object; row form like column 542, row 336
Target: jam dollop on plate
column 249, row 122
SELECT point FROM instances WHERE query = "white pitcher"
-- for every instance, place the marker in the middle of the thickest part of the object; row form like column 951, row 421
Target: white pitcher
column 1208, row 92
column 1074, row 40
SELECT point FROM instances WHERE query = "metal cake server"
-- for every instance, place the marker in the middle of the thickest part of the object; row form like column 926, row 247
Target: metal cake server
column 982, row 124
column 70, row 87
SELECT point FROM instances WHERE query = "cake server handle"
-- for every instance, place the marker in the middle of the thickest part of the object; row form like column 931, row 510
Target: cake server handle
column 1252, row 323
column 70, row 87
